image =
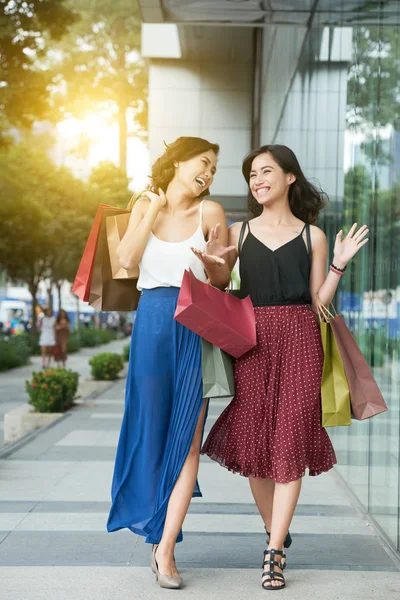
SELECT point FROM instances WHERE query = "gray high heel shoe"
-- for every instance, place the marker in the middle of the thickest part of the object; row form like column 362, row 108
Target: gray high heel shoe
column 165, row 581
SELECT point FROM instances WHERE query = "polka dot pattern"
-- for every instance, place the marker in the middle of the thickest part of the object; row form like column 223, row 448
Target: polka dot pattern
column 272, row 427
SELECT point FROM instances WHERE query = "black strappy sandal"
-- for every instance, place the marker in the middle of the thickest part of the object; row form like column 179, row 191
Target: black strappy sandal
column 286, row 544
column 272, row 574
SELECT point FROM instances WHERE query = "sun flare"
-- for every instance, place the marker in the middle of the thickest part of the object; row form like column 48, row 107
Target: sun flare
column 101, row 133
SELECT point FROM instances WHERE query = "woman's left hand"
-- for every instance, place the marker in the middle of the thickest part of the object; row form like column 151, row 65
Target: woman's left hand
column 348, row 247
column 214, row 250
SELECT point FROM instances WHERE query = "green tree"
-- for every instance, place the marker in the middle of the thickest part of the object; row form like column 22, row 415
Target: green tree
column 27, row 30
column 102, row 69
column 45, row 216
column 110, row 184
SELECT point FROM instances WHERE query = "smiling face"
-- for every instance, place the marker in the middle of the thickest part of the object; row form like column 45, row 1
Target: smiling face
column 268, row 182
column 197, row 173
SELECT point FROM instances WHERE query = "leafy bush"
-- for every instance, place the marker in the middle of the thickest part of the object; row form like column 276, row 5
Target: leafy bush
column 14, row 352
column 106, row 365
column 95, row 337
column 33, row 341
column 125, row 352
column 52, row 390
column 74, row 343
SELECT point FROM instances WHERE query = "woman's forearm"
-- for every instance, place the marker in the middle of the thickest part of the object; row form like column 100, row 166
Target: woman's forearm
column 219, row 275
column 328, row 289
column 130, row 249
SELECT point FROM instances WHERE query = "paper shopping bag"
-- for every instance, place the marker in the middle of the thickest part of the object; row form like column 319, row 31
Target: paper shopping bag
column 335, row 394
column 365, row 396
column 116, row 227
column 218, row 317
column 218, row 376
column 107, row 293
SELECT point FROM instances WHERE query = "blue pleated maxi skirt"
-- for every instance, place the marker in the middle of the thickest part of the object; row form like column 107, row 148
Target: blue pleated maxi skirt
column 163, row 400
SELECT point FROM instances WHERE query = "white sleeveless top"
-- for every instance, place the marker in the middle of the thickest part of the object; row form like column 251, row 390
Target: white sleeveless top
column 163, row 263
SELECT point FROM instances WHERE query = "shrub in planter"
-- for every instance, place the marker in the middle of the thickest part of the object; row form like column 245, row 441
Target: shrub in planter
column 106, row 336
column 125, row 352
column 14, row 352
column 33, row 341
column 52, row 390
column 21, row 344
column 74, row 343
column 88, row 337
column 106, row 365
column 95, row 337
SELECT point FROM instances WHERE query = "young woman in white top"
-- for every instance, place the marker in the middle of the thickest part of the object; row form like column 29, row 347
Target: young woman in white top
column 157, row 460
column 47, row 339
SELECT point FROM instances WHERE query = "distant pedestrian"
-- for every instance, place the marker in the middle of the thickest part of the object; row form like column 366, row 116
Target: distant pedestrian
column 47, row 340
column 62, row 335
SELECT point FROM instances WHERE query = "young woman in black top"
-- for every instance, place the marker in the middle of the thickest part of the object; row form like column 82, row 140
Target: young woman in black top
column 271, row 432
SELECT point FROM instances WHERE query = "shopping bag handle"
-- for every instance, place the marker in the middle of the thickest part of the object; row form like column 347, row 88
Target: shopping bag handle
column 324, row 313
column 134, row 198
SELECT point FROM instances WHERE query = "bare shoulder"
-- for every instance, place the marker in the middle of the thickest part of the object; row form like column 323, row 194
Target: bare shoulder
column 212, row 210
column 138, row 211
column 141, row 205
column 318, row 237
column 234, row 232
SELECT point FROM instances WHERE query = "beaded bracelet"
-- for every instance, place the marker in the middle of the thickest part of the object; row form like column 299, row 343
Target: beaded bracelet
column 338, row 269
column 335, row 270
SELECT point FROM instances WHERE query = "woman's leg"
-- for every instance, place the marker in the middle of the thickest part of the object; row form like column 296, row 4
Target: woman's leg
column 179, row 501
column 263, row 494
column 49, row 350
column 43, row 349
column 286, row 496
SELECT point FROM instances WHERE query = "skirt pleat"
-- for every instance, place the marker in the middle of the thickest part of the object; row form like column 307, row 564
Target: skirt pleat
column 272, row 428
column 163, row 401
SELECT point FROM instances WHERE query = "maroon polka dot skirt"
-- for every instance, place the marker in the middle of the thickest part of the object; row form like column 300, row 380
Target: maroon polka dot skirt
column 272, row 428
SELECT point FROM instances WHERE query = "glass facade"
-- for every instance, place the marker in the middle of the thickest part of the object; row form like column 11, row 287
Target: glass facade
column 340, row 113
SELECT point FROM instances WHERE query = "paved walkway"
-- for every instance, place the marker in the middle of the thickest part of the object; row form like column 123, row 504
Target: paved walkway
column 12, row 382
column 54, row 500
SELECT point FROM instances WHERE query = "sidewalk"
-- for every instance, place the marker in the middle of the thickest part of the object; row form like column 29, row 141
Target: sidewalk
column 54, row 500
column 12, row 382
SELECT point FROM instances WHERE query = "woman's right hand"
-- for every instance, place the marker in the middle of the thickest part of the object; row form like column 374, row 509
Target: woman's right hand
column 214, row 250
column 159, row 199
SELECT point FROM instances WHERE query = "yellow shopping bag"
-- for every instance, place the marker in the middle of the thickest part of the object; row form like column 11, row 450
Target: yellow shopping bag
column 335, row 394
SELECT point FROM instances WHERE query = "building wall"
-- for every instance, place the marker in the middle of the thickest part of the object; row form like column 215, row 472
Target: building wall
column 311, row 116
column 281, row 52
column 207, row 93
column 208, row 100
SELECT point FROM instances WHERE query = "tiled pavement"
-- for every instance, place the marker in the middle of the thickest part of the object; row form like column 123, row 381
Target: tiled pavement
column 54, row 500
column 12, row 382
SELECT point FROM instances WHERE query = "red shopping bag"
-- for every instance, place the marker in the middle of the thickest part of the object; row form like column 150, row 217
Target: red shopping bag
column 81, row 285
column 218, row 317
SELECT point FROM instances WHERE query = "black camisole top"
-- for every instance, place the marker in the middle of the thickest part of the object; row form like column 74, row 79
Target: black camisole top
column 275, row 277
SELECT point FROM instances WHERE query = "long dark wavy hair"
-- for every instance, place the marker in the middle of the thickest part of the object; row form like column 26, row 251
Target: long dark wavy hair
column 305, row 199
column 62, row 315
column 184, row 148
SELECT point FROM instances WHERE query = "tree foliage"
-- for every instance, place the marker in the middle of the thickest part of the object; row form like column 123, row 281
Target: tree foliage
column 45, row 216
column 27, row 30
column 101, row 68
column 110, row 183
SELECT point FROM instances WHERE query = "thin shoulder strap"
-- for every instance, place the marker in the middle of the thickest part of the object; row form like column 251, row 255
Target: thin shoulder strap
column 241, row 235
column 309, row 248
column 201, row 212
